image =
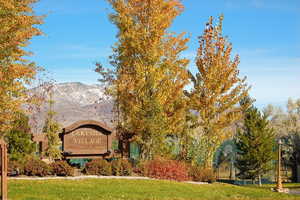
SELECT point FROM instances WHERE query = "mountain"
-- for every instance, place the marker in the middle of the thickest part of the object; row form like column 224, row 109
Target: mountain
column 73, row 102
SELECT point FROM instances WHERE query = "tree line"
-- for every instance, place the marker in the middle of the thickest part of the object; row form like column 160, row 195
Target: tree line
column 157, row 98
column 148, row 79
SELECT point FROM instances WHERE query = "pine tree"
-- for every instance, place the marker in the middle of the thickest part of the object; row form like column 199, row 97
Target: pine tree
column 255, row 146
column 19, row 138
column 217, row 89
column 149, row 73
column 51, row 129
column 17, row 26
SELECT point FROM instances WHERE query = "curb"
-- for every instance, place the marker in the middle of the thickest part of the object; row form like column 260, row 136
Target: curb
column 95, row 177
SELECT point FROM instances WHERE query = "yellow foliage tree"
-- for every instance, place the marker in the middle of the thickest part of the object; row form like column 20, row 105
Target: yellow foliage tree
column 17, row 26
column 51, row 129
column 150, row 74
column 217, row 89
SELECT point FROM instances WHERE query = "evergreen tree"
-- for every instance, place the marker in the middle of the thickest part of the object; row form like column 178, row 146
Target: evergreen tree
column 255, row 145
column 19, row 138
column 51, row 129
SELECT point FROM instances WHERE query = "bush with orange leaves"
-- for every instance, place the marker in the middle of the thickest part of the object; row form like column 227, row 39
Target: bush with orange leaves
column 166, row 169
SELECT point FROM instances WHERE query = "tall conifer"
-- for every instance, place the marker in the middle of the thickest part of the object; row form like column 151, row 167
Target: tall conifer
column 255, row 145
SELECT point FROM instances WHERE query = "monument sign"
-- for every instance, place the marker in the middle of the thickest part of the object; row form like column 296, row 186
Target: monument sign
column 86, row 139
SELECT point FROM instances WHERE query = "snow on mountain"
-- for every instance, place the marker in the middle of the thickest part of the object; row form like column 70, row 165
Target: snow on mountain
column 76, row 101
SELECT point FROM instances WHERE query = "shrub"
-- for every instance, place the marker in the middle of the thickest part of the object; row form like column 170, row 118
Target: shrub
column 36, row 167
column 139, row 169
column 166, row 169
column 121, row 167
column 62, row 168
column 198, row 173
column 15, row 168
column 98, row 167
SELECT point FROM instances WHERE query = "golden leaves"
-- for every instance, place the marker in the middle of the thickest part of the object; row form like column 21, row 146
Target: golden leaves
column 16, row 21
column 217, row 87
column 150, row 74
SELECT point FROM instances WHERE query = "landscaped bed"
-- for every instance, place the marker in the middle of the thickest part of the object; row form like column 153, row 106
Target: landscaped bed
column 113, row 189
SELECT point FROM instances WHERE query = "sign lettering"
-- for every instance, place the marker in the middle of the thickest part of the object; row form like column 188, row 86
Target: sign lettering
column 85, row 141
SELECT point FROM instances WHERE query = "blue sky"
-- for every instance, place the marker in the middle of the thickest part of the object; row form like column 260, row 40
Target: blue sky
column 265, row 33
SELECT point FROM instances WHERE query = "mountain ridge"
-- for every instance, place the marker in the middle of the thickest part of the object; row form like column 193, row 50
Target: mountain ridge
column 75, row 101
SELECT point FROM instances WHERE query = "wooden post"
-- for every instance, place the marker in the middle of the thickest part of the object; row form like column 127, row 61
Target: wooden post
column 279, row 183
column 3, row 148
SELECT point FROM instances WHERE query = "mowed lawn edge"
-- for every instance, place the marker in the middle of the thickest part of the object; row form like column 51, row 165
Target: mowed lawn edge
column 116, row 189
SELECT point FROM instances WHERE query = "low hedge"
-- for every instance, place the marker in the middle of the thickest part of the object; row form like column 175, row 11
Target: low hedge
column 33, row 166
column 165, row 169
column 121, row 167
column 98, row 167
column 15, row 168
column 36, row 167
column 61, row 168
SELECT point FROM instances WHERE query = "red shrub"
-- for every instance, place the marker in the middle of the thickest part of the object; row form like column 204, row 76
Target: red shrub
column 166, row 169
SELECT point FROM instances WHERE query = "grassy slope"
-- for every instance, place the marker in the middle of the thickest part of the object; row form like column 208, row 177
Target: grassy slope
column 285, row 185
column 112, row 189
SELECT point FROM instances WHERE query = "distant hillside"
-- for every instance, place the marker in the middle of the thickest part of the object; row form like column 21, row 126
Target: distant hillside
column 76, row 101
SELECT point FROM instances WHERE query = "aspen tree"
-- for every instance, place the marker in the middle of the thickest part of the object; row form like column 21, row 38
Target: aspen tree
column 17, row 26
column 217, row 89
column 150, row 73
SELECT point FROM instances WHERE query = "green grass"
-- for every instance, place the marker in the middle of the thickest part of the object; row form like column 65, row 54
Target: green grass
column 113, row 189
column 269, row 186
column 285, row 185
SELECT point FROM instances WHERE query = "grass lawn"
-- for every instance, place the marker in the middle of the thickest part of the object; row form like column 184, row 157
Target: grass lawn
column 293, row 187
column 285, row 185
column 113, row 189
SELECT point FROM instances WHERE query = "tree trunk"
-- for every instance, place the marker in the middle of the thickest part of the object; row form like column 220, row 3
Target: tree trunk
column 209, row 155
column 259, row 180
column 146, row 151
column 231, row 170
column 120, row 147
column 208, row 163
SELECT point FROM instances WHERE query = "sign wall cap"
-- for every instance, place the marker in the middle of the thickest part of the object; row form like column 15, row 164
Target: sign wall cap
column 86, row 123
